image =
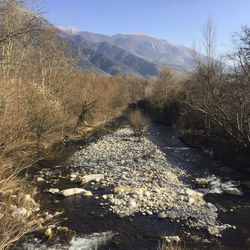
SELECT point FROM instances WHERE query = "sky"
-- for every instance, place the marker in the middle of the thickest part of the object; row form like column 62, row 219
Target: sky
column 179, row 21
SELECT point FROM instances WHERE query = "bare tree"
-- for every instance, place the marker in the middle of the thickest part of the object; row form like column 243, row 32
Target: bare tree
column 221, row 99
column 17, row 29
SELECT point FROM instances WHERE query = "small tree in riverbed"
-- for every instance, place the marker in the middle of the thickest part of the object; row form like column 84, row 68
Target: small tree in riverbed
column 138, row 123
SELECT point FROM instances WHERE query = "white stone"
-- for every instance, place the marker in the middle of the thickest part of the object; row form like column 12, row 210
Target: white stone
column 191, row 200
column 131, row 204
column 73, row 191
column 40, row 179
column 53, row 190
column 162, row 215
column 91, row 177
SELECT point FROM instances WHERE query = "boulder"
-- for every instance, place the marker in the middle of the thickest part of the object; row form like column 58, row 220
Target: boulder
column 73, row 191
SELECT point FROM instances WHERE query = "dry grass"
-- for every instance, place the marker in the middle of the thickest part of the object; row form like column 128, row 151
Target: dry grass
column 16, row 223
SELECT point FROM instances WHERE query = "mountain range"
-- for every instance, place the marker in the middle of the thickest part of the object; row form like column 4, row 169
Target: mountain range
column 136, row 53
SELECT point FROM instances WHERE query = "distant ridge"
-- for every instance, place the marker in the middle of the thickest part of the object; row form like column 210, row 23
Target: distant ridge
column 68, row 29
column 133, row 53
column 135, row 34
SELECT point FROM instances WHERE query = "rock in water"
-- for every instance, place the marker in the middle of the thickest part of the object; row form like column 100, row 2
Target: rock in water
column 73, row 191
column 53, row 190
column 201, row 182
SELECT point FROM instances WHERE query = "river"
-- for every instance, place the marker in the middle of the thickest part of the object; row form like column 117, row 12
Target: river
column 98, row 227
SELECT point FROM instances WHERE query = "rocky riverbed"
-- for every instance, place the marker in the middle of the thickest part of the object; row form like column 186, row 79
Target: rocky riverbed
column 144, row 181
column 121, row 193
column 141, row 180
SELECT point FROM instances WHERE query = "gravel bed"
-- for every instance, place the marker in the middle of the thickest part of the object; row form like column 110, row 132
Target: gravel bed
column 143, row 181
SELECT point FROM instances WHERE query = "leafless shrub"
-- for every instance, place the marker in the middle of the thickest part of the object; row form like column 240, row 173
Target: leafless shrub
column 217, row 102
column 163, row 89
column 138, row 124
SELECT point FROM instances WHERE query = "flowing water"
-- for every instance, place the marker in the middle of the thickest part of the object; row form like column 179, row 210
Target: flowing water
column 98, row 228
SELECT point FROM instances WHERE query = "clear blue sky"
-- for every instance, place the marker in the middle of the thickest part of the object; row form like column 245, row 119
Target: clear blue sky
column 179, row 21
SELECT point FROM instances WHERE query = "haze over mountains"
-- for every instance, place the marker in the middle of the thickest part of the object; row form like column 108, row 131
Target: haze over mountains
column 136, row 53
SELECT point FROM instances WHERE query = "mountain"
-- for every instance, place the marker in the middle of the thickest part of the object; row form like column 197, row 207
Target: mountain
column 99, row 55
column 158, row 51
column 135, row 53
